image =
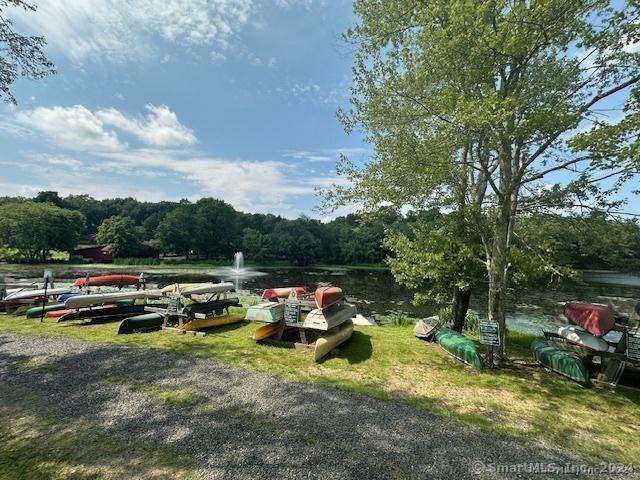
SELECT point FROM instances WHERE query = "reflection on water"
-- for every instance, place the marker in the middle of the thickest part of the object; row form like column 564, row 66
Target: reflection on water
column 376, row 294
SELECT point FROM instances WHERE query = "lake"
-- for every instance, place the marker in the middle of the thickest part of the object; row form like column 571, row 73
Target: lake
column 374, row 291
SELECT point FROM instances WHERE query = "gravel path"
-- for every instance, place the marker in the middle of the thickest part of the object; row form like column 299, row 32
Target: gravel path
column 255, row 425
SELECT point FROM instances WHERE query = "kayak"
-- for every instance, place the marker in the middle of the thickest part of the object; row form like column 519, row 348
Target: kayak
column 213, row 306
column 330, row 317
column 332, row 339
column 460, row 347
column 172, row 287
column 65, row 311
column 595, row 318
column 107, row 280
column 268, row 312
column 282, row 292
column 80, row 301
column 26, row 294
column 579, row 336
column 35, row 312
column 265, row 331
column 104, row 313
column 141, row 323
column 208, row 288
column 559, row 360
column 327, row 296
column 200, row 323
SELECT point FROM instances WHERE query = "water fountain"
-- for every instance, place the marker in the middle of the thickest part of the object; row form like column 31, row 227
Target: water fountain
column 236, row 274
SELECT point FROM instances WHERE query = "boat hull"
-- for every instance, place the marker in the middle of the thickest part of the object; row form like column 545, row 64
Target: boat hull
column 595, row 318
column 268, row 312
column 265, row 331
column 35, row 312
column 578, row 336
column 328, row 318
column 207, row 288
column 80, row 301
column 332, row 339
column 107, row 280
column 426, row 327
column 39, row 293
column 103, row 313
column 171, row 288
column 460, row 347
column 141, row 323
column 564, row 362
column 282, row 292
column 327, row 296
column 201, row 323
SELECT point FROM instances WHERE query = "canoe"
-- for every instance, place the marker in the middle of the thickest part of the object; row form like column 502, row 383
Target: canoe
column 200, row 323
column 460, row 347
column 265, row 331
column 80, row 301
column 268, row 312
column 65, row 296
column 327, row 296
column 595, row 318
column 208, row 288
column 65, row 311
column 141, row 323
column 330, row 317
column 35, row 312
column 171, row 288
column 426, row 327
column 27, row 294
column 564, row 362
column 104, row 313
column 282, row 292
column 579, row 336
column 107, row 280
column 332, row 339
column 213, row 306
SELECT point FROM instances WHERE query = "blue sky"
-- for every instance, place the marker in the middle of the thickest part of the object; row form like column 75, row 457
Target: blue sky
column 171, row 99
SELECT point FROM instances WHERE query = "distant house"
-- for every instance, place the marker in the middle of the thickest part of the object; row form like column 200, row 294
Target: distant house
column 94, row 253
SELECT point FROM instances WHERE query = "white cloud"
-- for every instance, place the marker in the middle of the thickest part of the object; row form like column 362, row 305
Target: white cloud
column 324, row 155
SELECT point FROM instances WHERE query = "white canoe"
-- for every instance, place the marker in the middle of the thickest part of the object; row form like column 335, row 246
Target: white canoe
column 578, row 336
column 80, row 301
column 171, row 288
column 24, row 294
column 204, row 288
column 330, row 317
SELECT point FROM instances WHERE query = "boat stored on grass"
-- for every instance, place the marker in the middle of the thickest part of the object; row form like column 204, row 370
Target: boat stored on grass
column 207, row 288
column 330, row 340
column 460, row 347
column 595, row 318
column 141, row 323
column 209, row 322
column 267, row 312
column 579, row 336
column 282, row 292
column 33, row 294
column 326, row 319
column 560, row 360
column 80, row 301
column 327, row 296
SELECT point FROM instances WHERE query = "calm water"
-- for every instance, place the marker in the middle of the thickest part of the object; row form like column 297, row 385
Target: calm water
column 374, row 291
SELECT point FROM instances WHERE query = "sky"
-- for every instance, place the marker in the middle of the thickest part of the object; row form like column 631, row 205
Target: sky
column 172, row 99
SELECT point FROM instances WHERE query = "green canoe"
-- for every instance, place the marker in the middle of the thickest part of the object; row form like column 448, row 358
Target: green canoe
column 35, row 312
column 565, row 362
column 460, row 347
column 141, row 323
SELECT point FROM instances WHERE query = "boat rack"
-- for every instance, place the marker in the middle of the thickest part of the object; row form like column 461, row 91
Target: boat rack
column 297, row 337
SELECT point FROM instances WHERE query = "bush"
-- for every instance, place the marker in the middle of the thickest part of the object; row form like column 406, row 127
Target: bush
column 472, row 321
column 396, row 319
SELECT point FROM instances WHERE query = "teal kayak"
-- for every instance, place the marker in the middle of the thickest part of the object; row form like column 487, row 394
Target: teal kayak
column 36, row 312
column 565, row 362
column 460, row 347
column 141, row 323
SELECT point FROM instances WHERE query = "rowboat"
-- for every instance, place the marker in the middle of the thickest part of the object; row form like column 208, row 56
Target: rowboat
column 141, row 323
column 595, row 318
column 200, row 323
column 327, row 296
column 29, row 294
column 268, row 312
column 265, row 331
column 562, row 361
column 282, row 292
column 213, row 306
column 177, row 286
column 579, row 336
column 102, row 313
column 207, row 288
column 426, row 327
column 80, row 301
column 330, row 317
column 460, row 347
column 108, row 280
column 332, row 339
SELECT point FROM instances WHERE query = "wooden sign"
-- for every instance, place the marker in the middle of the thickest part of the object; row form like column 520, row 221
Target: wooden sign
column 291, row 312
column 174, row 305
column 633, row 344
column 489, row 332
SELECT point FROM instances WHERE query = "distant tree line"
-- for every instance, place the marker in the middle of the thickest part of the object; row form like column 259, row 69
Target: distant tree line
column 546, row 246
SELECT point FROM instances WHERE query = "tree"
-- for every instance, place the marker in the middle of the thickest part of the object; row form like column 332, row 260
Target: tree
column 176, row 231
column 293, row 241
column 216, row 229
column 474, row 104
column 35, row 229
column 20, row 55
column 122, row 235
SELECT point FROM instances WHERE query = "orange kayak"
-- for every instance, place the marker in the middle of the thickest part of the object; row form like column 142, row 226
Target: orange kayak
column 282, row 292
column 108, row 280
column 60, row 313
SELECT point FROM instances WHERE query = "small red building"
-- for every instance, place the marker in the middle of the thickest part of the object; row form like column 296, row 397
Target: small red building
column 95, row 253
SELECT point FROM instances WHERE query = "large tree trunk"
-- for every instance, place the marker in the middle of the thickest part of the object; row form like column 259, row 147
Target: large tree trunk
column 459, row 308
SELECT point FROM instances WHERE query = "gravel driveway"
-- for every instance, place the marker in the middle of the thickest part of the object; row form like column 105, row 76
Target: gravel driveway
column 255, row 425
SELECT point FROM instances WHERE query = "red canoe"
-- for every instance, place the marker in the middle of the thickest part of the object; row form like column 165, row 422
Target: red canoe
column 595, row 318
column 282, row 292
column 327, row 296
column 108, row 280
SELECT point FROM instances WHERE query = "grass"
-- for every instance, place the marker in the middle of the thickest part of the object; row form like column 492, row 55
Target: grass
column 521, row 399
column 36, row 445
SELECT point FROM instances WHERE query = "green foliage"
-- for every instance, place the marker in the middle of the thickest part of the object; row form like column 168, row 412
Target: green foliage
column 35, row 229
column 176, row 231
column 122, row 235
column 472, row 321
column 396, row 318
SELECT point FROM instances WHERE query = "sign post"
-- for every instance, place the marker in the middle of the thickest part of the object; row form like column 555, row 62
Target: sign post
column 633, row 344
column 489, row 333
column 48, row 278
column 291, row 312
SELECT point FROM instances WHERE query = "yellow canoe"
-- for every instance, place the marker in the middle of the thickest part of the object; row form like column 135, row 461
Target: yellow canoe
column 332, row 339
column 200, row 323
column 265, row 331
column 171, row 288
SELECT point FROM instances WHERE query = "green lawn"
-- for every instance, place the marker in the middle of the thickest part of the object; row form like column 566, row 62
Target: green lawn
column 521, row 399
